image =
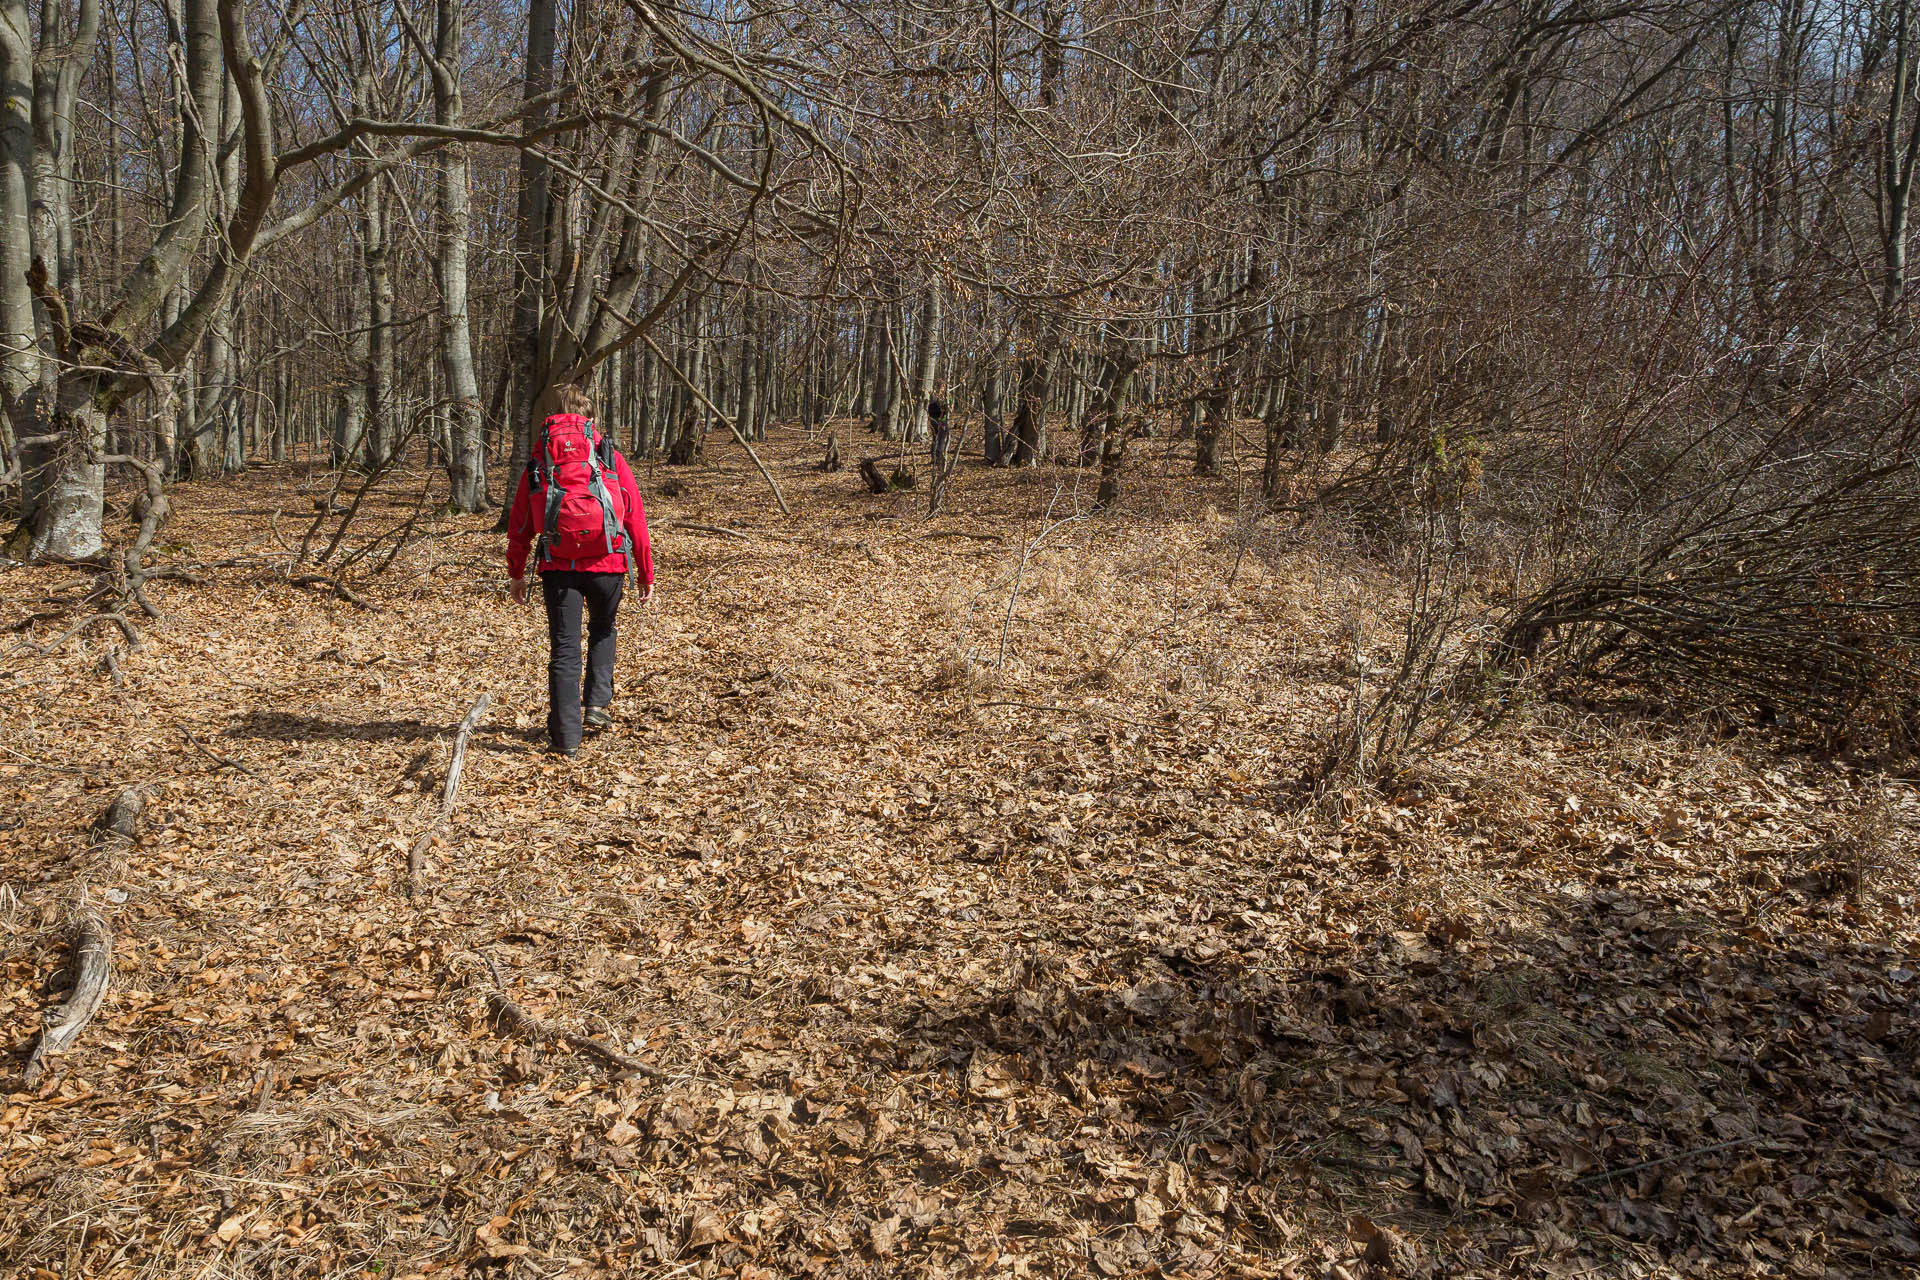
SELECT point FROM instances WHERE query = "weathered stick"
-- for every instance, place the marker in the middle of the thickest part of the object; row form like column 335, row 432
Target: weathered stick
column 962, row 533
column 449, row 795
column 118, row 619
column 714, row 529
column 1611, row 1174
column 216, row 757
column 511, row 1019
column 335, row 586
column 92, row 968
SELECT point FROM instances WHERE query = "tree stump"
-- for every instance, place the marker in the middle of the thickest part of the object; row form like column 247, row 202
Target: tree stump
column 831, row 462
column 122, row 817
column 876, row 479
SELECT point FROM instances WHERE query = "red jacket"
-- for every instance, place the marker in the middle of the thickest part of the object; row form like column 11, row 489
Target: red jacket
column 523, row 526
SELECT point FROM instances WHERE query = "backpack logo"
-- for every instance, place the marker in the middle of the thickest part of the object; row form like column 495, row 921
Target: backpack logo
column 580, row 520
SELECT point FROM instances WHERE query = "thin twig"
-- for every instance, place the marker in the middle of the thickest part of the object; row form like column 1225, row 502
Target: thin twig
column 515, row 1021
column 1020, row 574
column 714, row 529
column 217, row 758
column 336, row 587
column 1654, row 1164
column 1085, row 711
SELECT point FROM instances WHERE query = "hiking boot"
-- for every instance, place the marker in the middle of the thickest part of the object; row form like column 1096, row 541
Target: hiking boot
column 598, row 718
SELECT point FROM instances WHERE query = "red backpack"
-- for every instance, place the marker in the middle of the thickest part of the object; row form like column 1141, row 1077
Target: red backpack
column 581, row 515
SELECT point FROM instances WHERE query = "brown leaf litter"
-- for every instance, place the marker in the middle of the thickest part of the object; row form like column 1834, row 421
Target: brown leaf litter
column 922, row 958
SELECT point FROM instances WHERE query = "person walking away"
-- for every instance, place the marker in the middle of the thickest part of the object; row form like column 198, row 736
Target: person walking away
column 939, row 433
column 578, row 512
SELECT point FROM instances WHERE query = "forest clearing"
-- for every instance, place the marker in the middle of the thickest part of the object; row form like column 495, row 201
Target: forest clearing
column 928, row 929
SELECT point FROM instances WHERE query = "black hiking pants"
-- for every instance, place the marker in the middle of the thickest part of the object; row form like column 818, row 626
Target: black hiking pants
column 565, row 591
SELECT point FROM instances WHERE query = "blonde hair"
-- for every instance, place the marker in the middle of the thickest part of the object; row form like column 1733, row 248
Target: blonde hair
column 568, row 397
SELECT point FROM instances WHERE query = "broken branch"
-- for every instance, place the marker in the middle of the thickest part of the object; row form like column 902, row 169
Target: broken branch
column 512, row 1020
column 92, row 968
column 449, row 794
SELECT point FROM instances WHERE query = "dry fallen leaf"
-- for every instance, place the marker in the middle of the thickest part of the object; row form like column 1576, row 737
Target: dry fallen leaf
column 706, row 1227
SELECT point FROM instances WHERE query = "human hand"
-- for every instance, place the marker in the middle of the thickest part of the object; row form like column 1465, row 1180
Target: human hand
column 644, row 593
column 517, row 588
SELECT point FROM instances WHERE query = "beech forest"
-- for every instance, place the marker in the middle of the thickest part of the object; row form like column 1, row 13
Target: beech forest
column 1197, row 640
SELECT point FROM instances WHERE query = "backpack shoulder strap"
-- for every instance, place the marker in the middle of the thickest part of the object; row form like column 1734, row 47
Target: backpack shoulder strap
column 543, row 454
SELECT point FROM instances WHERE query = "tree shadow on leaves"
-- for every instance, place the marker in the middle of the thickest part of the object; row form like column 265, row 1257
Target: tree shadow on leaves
column 287, row 726
column 1636, row 1081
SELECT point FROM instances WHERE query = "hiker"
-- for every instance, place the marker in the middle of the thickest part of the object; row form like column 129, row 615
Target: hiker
column 938, row 432
column 578, row 498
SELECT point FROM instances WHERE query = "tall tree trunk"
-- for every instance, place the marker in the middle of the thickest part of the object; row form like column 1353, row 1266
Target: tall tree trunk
column 926, row 364
column 382, row 424
column 747, row 415
column 206, row 445
column 863, row 367
column 1216, row 405
column 1030, row 409
column 466, row 455
column 886, row 385
column 61, row 483
column 1116, row 426
column 996, row 442
column 1898, row 160
column 350, row 423
column 530, row 247
column 25, row 413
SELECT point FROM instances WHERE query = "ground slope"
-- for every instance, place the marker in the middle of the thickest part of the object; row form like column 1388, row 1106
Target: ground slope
column 948, row 876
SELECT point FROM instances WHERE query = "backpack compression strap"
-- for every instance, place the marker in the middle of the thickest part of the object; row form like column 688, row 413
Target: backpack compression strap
column 597, row 486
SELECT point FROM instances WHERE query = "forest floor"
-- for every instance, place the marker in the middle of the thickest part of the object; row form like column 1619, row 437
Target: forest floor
column 948, row 881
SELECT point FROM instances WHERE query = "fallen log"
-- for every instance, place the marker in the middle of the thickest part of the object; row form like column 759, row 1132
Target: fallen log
column 91, row 964
column 449, row 794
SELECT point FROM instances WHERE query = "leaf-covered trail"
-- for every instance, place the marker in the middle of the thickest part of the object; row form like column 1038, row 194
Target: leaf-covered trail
column 952, row 965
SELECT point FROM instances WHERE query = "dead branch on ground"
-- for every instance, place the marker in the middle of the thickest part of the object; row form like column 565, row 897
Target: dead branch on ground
column 334, row 587
column 449, row 795
column 223, row 761
column 91, row 964
column 512, row 1020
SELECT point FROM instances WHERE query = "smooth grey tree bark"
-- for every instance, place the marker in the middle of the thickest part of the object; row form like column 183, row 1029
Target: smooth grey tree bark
column 1898, row 157
column 926, row 363
column 530, row 247
column 350, row 419
column 376, row 238
column 466, row 453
